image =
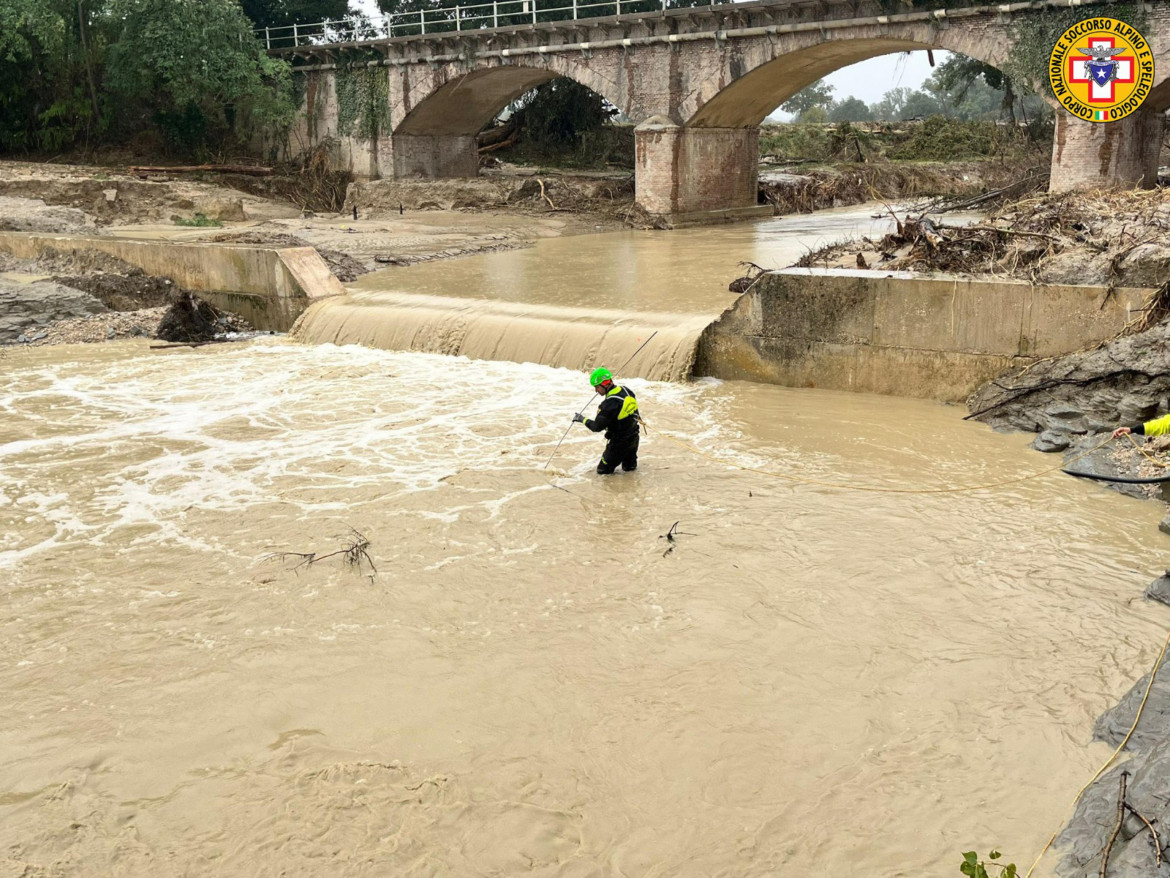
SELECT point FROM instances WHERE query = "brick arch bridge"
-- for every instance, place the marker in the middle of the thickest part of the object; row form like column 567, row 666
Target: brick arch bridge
column 698, row 80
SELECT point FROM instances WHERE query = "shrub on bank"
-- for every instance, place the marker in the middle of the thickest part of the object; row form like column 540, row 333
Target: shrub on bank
column 609, row 146
column 937, row 139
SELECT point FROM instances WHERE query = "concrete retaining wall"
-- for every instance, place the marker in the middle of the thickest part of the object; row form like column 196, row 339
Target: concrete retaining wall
column 268, row 286
column 901, row 334
column 435, row 156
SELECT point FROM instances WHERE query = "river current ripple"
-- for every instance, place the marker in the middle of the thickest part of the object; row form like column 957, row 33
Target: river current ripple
column 811, row 682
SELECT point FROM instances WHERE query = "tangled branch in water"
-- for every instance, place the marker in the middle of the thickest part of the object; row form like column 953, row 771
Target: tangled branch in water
column 353, row 552
column 671, row 537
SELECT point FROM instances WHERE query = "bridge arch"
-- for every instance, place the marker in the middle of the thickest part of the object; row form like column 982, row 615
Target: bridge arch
column 440, row 118
column 462, row 103
column 747, row 99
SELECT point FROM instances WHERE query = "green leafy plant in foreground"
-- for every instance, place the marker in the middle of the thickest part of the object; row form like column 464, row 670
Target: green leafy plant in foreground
column 973, row 867
column 199, row 221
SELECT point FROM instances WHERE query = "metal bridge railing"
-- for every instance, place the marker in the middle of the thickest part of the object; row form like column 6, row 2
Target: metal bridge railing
column 497, row 14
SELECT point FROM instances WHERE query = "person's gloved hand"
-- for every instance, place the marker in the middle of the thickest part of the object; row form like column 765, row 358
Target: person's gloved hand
column 578, row 418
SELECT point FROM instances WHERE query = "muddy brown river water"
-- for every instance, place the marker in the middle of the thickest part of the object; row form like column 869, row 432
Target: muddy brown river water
column 812, row 682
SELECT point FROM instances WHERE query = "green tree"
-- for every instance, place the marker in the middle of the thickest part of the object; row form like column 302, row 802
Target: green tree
column 959, row 73
column 975, row 100
column 819, row 94
column 850, row 110
column 27, row 27
column 890, row 107
column 48, row 82
column 817, row 115
column 921, row 104
column 194, row 69
column 559, row 113
column 282, row 13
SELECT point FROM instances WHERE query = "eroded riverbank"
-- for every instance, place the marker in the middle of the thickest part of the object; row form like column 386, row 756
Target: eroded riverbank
column 814, row 681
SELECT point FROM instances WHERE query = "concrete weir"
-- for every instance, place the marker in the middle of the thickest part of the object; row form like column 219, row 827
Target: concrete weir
column 902, row 334
column 267, row 286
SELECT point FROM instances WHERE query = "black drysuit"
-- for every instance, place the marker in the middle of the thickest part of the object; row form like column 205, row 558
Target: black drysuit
column 618, row 417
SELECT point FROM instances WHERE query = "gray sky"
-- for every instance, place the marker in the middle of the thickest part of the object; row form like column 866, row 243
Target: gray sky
column 870, row 80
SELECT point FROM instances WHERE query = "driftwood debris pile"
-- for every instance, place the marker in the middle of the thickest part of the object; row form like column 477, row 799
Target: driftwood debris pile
column 192, row 320
column 1090, row 238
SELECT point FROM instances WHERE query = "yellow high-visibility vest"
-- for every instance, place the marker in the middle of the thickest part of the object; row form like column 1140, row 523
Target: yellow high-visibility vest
column 630, row 405
column 1158, row 426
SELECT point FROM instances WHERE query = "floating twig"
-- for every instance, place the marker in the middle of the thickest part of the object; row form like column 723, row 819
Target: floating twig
column 353, row 552
column 187, row 344
column 671, row 537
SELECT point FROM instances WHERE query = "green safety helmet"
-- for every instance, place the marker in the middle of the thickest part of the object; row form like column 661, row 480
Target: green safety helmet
column 600, row 376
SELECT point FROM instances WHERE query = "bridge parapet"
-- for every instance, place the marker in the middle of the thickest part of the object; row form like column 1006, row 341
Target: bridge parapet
column 502, row 17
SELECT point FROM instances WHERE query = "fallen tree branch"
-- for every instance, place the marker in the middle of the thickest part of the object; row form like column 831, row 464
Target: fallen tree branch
column 1150, row 826
column 773, row 159
column 353, row 553
column 670, row 537
column 1117, row 828
column 503, row 144
column 1004, row 231
column 544, row 195
column 745, row 282
column 897, row 222
column 1154, row 311
column 250, row 170
column 942, row 205
column 185, row 344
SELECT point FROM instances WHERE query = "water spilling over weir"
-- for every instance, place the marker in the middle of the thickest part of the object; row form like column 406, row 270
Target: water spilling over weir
column 520, row 333
column 573, row 302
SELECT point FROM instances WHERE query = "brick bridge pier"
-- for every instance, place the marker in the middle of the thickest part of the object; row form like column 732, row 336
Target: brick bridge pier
column 699, row 81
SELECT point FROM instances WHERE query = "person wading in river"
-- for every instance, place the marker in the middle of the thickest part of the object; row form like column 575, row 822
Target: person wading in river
column 618, row 417
column 1157, row 427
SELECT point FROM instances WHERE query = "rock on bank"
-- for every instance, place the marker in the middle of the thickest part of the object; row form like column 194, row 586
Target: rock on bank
column 1067, row 398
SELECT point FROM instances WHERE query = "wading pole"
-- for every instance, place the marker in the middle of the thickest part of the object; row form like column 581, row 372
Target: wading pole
column 582, row 409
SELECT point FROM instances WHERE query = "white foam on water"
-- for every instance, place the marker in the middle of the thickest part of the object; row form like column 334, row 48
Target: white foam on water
column 165, row 436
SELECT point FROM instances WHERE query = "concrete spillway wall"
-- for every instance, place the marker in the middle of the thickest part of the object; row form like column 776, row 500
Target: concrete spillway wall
column 903, row 334
column 267, row 286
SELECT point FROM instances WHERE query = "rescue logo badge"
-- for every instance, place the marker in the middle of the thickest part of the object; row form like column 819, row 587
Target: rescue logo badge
column 1101, row 69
